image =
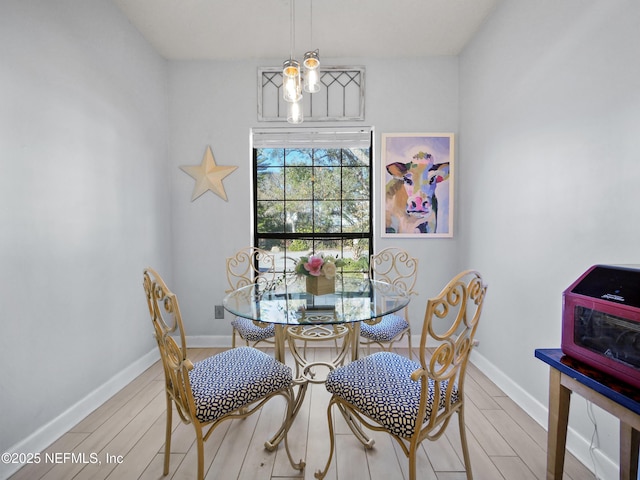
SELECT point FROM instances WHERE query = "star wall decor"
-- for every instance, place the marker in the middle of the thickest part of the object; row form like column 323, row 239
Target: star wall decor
column 208, row 176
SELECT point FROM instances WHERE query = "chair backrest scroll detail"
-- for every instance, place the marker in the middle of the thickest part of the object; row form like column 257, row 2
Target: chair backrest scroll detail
column 450, row 324
column 170, row 336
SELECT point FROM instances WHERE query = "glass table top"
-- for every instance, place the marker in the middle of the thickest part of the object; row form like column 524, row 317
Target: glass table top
column 354, row 300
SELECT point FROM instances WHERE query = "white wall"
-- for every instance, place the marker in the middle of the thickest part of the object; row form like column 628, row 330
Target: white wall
column 84, row 205
column 214, row 103
column 549, row 169
column 544, row 103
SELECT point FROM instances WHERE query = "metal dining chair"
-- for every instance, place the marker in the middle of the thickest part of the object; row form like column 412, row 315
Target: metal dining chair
column 395, row 266
column 250, row 265
column 414, row 401
column 231, row 384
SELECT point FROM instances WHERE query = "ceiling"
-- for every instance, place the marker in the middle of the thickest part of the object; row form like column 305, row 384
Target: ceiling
column 253, row 29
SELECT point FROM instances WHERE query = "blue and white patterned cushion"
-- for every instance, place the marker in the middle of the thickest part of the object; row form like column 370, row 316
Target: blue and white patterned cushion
column 384, row 331
column 380, row 386
column 252, row 332
column 235, row 378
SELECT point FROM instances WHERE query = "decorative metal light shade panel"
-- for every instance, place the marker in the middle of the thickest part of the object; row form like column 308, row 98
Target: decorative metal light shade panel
column 341, row 96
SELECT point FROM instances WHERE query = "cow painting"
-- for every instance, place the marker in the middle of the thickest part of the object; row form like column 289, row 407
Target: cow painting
column 411, row 201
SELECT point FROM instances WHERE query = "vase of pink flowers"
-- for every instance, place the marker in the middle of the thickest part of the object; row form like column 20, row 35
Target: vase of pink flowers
column 319, row 272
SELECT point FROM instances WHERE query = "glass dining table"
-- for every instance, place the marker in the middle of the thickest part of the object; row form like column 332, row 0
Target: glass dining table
column 300, row 317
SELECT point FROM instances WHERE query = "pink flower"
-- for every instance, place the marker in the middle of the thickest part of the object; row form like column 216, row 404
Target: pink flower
column 314, row 265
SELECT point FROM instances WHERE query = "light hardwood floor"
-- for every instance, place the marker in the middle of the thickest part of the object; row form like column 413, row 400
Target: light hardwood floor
column 505, row 443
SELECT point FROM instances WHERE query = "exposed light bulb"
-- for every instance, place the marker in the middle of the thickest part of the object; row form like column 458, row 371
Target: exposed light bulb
column 291, row 88
column 294, row 112
column 311, row 72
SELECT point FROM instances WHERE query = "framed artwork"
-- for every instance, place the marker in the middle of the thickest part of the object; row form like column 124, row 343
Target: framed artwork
column 417, row 181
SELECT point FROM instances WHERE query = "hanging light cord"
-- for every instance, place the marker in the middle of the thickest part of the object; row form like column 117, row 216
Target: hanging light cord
column 292, row 33
column 311, row 23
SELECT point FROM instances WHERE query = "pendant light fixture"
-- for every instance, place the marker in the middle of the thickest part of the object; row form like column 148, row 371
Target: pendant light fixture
column 311, row 72
column 291, row 81
column 294, row 112
column 292, row 77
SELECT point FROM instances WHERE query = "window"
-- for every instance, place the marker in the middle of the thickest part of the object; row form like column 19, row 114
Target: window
column 313, row 194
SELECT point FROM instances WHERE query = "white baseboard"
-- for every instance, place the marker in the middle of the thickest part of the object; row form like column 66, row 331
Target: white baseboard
column 49, row 433
column 578, row 445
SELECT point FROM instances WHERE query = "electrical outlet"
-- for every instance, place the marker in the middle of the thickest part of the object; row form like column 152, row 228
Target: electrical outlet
column 219, row 312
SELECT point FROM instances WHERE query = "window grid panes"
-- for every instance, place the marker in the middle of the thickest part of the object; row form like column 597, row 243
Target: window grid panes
column 314, row 200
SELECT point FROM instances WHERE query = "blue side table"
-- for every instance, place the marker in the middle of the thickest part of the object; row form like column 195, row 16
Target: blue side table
column 568, row 375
